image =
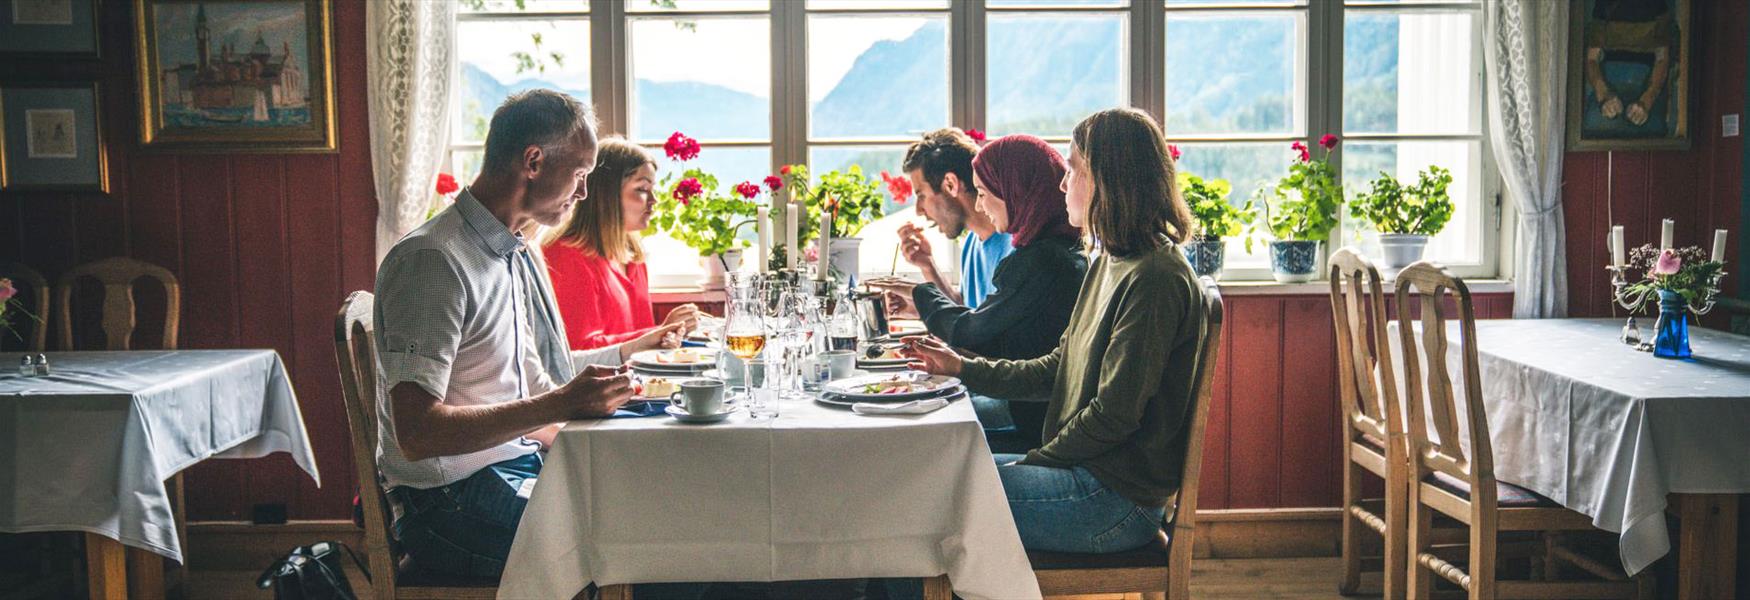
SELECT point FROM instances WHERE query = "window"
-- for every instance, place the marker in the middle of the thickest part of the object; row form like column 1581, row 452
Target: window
column 835, row 83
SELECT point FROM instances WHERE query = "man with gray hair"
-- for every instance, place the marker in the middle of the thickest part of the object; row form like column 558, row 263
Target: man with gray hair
column 472, row 349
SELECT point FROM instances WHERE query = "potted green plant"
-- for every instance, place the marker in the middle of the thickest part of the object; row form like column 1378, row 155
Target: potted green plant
column 852, row 200
column 1403, row 215
column 1216, row 218
column 695, row 212
column 1300, row 211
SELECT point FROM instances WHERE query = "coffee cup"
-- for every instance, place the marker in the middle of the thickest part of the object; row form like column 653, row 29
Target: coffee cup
column 700, row 397
column 840, row 363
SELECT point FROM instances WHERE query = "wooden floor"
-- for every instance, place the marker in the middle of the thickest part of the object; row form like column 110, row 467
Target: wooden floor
column 1232, row 579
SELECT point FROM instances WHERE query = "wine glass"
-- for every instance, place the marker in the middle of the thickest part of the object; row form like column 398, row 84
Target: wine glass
column 744, row 334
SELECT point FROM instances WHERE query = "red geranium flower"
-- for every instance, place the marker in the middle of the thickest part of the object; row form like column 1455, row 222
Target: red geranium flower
column 774, row 182
column 687, row 189
column 681, row 147
column 1304, row 155
column 976, row 135
column 747, row 189
column 446, row 184
column 898, row 187
column 1173, row 149
column 1328, row 142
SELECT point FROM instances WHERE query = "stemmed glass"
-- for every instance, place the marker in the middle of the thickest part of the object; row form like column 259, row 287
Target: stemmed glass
column 744, row 335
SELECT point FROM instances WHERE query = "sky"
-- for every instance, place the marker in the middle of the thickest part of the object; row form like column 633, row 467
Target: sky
column 278, row 22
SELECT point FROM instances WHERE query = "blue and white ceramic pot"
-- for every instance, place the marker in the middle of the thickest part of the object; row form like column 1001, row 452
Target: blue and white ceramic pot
column 1206, row 256
column 1294, row 261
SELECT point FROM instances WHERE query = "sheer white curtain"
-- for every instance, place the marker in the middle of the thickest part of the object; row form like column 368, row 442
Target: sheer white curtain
column 1526, row 54
column 412, row 62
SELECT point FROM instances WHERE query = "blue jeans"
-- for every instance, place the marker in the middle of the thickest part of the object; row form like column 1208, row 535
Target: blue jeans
column 466, row 528
column 1068, row 510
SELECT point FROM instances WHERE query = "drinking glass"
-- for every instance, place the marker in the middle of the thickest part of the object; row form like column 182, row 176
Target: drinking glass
column 744, row 333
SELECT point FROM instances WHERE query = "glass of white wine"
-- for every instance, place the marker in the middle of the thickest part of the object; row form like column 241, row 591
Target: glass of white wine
column 744, row 335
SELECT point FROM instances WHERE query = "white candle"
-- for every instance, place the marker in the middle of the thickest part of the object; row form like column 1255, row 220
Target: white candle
column 1719, row 246
column 1666, row 229
column 792, row 248
column 1616, row 246
column 760, row 222
column 824, row 253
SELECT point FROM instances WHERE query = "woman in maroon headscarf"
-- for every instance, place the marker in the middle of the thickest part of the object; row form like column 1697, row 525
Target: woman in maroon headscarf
column 1017, row 178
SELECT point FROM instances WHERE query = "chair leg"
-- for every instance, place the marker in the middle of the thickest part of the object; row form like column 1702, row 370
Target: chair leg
column 615, row 592
column 106, row 568
column 1421, row 580
column 1352, row 531
column 1397, row 542
column 1482, row 559
column 938, row 588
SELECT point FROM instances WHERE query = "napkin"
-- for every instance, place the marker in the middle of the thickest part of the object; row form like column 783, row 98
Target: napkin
column 646, row 408
column 914, row 407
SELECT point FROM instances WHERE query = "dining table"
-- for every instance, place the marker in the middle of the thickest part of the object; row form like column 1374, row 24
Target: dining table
column 818, row 492
column 90, row 445
column 1622, row 436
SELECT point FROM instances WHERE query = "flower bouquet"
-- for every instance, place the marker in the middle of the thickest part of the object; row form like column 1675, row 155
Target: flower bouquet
column 1684, row 280
column 9, row 305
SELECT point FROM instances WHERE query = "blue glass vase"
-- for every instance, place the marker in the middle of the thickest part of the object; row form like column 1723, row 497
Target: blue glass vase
column 1671, row 333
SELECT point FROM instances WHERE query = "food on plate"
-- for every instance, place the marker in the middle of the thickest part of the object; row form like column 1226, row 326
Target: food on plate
column 655, row 387
column 902, row 383
column 889, row 354
column 681, row 356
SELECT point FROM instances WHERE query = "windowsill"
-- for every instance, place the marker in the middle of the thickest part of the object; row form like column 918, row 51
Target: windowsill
column 1322, row 287
column 674, row 295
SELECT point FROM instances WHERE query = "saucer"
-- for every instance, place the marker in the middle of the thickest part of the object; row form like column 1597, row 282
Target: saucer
column 683, row 416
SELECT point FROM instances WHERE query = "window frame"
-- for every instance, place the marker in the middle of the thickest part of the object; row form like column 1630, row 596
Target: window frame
column 1320, row 103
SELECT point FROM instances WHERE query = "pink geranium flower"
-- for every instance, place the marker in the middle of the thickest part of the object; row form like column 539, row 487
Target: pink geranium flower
column 898, row 187
column 446, row 184
column 1173, row 149
column 1668, row 263
column 1328, row 142
column 747, row 189
column 6, row 290
column 1305, row 156
column 976, row 135
column 774, row 182
column 687, row 189
column 681, row 147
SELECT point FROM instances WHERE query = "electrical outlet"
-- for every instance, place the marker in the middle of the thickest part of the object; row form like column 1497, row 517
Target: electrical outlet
column 1729, row 125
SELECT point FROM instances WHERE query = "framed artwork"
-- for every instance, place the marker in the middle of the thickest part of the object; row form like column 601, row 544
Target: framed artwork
column 49, row 28
column 235, row 75
column 1628, row 75
column 51, row 138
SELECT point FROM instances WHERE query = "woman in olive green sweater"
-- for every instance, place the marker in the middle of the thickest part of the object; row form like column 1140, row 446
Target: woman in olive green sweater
column 1121, row 376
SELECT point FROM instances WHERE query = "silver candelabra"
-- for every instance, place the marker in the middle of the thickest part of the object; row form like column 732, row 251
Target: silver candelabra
column 1634, row 300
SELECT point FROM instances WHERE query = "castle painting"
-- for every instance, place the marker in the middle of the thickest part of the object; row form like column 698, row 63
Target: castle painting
column 236, row 71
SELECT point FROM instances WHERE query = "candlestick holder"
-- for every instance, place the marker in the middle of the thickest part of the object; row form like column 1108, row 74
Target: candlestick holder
column 1634, row 300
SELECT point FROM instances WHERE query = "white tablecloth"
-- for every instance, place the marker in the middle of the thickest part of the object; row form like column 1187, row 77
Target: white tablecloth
column 88, row 447
column 819, row 493
column 1609, row 431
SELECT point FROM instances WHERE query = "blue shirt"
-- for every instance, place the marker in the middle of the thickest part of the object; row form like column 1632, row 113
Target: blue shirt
column 978, row 264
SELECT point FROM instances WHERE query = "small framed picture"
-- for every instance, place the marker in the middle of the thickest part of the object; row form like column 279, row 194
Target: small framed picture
column 51, row 138
column 60, row 28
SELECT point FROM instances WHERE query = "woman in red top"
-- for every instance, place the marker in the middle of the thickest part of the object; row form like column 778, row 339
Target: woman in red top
column 597, row 264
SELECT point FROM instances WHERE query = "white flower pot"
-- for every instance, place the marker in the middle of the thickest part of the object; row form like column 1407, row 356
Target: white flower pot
column 843, row 256
column 716, row 266
column 1400, row 250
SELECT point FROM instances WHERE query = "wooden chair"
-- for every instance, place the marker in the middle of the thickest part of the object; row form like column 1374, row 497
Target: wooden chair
column 356, row 351
column 118, row 275
column 1163, row 568
column 1373, row 431
column 1461, row 485
column 36, row 289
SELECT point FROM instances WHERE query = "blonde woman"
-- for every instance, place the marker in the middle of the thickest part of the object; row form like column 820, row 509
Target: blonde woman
column 597, row 265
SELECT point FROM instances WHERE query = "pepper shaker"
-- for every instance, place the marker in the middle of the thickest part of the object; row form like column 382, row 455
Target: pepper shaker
column 42, row 365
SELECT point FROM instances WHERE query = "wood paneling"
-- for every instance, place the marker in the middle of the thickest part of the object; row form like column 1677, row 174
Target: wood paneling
column 264, row 245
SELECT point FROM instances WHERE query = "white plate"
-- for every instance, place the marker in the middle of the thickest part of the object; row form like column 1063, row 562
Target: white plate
column 851, row 388
column 683, row 416
column 662, row 360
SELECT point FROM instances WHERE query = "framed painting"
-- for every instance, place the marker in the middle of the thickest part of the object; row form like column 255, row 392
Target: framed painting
column 49, row 28
column 51, row 138
column 235, row 75
column 1628, row 75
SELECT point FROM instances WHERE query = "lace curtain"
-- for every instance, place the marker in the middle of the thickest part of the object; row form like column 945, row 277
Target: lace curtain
column 411, row 56
column 1526, row 54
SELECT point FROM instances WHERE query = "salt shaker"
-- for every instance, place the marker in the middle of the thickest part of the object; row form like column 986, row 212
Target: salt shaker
column 42, row 364
column 27, row 366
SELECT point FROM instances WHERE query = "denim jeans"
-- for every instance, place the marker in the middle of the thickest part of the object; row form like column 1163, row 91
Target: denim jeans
column 1068, row 510
column 466, row 528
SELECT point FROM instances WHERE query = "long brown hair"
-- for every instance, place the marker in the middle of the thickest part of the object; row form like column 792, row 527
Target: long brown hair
column 597, row 224
column 1136, row 204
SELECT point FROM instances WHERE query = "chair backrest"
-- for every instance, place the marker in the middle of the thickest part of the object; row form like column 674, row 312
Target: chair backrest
column 1183, row 517
column 356, row 351
column 1365, row 372
column 1446, row 454
column 118, row 275
column 36, row 332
